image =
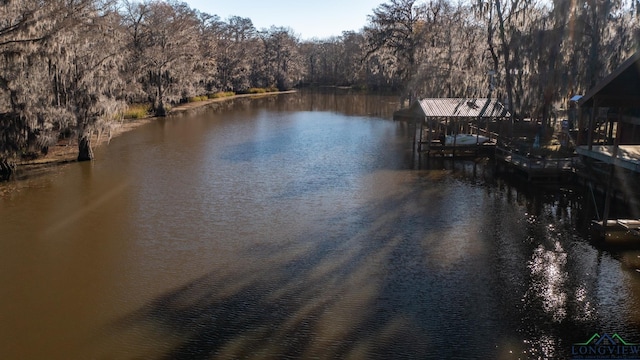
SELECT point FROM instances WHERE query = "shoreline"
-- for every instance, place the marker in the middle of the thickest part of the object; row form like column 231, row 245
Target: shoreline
column 66, row 151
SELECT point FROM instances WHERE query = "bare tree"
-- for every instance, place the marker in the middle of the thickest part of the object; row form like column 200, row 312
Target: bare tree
column 164, row 39
column 237, row 44
column 35, row 42
column 282, row 62
column 210, row 28
column 353, row 51
column 324, row 61
column 24, row 25
column 133, row 17
column 399, row 27
column 90, row 88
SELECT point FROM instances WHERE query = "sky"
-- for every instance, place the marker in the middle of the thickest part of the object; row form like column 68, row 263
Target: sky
column 307, row 18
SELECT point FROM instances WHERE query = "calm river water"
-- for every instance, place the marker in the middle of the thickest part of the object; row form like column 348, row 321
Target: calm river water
column 295, row 226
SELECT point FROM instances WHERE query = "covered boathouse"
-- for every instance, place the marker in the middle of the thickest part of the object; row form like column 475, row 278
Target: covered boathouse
column 454, row 126
column 609, row 145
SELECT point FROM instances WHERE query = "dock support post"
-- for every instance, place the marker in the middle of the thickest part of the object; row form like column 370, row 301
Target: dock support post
column 590, row 130
column 612, row 169
column 413, row 152
column 421, row 135
column 607, row 199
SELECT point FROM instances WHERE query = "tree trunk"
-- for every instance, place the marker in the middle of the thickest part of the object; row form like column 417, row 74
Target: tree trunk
column 494, row 55
column 160, row 108
column 507, row 64
column 7, row 169
column 85, row 152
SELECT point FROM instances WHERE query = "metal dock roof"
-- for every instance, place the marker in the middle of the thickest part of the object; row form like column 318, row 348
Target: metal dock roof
column 461, row 108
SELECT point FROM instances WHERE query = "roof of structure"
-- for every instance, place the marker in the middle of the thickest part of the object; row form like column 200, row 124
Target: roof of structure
column 460, row 108
column 621, row 88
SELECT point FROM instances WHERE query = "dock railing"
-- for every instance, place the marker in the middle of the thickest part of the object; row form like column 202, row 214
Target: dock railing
column 484, row 132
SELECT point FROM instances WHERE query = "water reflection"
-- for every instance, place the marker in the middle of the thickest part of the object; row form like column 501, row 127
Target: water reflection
column 571, row 289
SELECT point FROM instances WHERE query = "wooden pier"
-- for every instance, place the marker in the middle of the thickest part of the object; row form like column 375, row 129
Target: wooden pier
column 537, row 168
column 616, row 148
column 437, row 149
column 619, row 232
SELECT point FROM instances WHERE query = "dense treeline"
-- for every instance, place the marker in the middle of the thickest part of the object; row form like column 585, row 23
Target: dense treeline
column 72, row 67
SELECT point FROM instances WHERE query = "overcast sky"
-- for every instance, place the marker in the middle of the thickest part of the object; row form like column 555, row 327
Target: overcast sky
column 307, row 18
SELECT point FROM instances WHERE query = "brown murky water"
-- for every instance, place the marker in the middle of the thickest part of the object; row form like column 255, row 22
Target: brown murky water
column 295, row 226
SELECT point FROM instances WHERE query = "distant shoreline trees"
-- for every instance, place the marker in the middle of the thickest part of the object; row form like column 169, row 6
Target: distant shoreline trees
column 70, row 67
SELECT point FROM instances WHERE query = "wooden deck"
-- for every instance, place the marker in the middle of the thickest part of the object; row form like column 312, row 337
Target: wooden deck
column 628, row 156
column 622, row 232
column 536, row 168
column 436, row 149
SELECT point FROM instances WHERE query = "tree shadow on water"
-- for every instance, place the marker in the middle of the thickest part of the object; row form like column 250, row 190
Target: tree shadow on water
column 367, row 287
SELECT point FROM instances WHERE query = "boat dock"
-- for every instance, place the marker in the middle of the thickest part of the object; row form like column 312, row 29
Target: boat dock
column 435, row 120
column 601, row 139
column 437, row 149
column 618, row 232
column 536, row 168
